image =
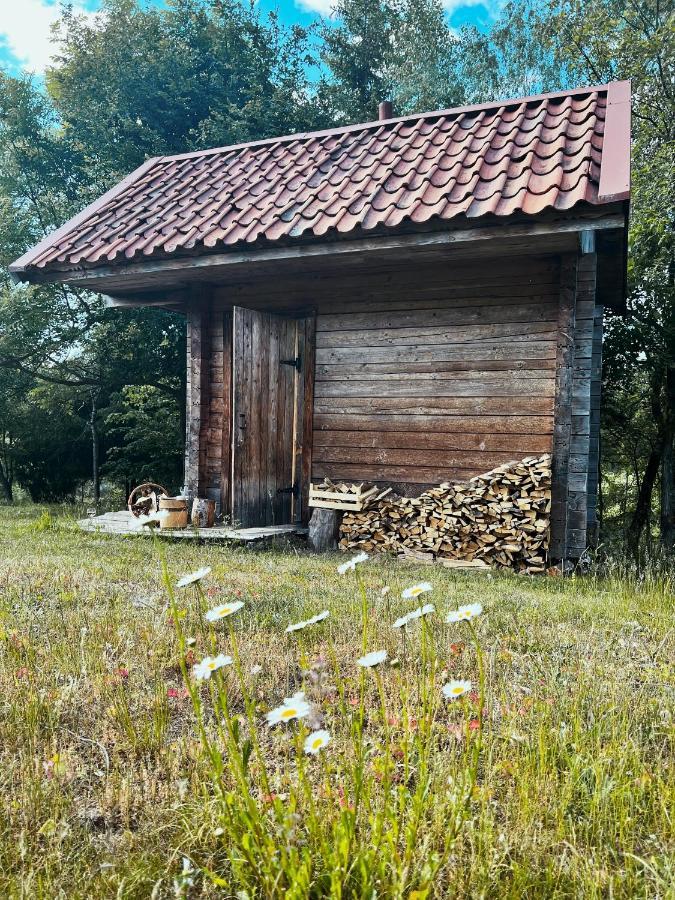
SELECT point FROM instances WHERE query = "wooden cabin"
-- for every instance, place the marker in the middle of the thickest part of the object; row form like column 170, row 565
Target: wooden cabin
column 406, row 301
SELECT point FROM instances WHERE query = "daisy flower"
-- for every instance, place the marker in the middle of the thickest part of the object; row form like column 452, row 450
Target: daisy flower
column 319, row 617
column 416, row 590
column 374, row 658
column 415, row 614
column 316, row 741
column 454, row 689
column 193, row 577
column 295, row 707
column 352, row 563
column 464, row 613
column 222, row 611
column 202, row 671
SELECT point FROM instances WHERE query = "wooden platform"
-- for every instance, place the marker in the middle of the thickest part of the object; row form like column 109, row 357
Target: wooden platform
column 123, row 523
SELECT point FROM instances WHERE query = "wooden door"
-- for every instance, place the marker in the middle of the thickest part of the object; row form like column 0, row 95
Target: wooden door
column 268, row 416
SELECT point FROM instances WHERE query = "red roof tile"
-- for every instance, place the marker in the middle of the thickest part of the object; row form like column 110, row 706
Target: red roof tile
column 519, row 156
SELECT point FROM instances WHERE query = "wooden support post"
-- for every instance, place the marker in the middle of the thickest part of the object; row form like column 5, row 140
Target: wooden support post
column 562, row 428
column 197, row 392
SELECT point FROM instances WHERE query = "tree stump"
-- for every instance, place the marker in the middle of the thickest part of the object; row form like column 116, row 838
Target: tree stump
column 324, row 527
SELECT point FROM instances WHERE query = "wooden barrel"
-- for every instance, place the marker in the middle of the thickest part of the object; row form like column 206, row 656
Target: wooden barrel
column 173, row 513
column 203, row 512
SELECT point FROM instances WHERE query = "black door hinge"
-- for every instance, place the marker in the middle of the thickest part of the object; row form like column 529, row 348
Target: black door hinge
column 296, row 363
column 294, row 490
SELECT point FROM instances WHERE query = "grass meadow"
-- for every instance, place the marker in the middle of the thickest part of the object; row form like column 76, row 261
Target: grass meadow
column 124, row 776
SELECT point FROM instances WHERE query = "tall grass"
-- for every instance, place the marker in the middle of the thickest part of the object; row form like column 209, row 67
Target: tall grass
column 123, row 776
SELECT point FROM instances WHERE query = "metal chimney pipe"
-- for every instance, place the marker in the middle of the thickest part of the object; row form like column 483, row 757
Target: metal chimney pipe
column 386, row 110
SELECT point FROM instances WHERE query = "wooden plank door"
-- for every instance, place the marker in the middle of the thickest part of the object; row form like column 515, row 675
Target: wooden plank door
column 268, row 415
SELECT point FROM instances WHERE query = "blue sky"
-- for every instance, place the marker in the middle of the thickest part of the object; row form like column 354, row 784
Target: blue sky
column 25, row 24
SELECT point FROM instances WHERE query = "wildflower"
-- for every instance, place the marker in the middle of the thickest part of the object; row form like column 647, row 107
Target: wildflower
column 464, row 613
column 256, row 669
column 319, row 617
column 384, row 591
column 415, row 614
column 416, row 590
column 295, row 707
column 374, row 658
column 222, row 611
column 454, row 689
column 218, row 832
column 193, row 577
column 190, row 642
column 316, row 741
column 352, row 563
column 202, row 671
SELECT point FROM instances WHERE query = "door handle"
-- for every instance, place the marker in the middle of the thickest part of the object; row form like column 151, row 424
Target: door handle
column 242, row 420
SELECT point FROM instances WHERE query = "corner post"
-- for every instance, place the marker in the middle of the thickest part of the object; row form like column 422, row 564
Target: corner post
column 197, row 390
column 562, row 429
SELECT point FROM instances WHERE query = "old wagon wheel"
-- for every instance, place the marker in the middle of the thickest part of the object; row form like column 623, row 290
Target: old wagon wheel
column 144, row 499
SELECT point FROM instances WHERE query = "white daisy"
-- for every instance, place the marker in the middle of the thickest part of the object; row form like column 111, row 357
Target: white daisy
column 193, row 577
column 422, row 611
column 316, row 741
column 295, row 707
column 202, row 671
column 374, row 658
column 222, row 611
column 319, row 617
column 454, row 689
column 415, row 614
column 352, row 563
column 464, row 613
column 416, row 590
column 298, row 626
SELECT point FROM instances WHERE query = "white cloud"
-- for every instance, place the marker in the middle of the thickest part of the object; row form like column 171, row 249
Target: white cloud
column 316, row 6
column 25, row 31
column 493, row 7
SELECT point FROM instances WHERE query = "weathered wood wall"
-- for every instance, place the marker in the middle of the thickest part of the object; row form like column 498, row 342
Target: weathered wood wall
column 442, row 375
column 431, row 371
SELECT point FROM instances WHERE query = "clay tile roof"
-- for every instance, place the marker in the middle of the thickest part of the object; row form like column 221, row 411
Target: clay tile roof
column 519, row 156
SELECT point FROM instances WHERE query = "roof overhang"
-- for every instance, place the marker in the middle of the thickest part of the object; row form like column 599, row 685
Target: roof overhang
column 535, row 236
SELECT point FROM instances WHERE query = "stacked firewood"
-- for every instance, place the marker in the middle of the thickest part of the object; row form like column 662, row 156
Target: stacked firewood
column 500, row 518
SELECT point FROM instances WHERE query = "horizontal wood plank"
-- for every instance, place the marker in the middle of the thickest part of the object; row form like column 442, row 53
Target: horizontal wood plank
column 430, row 440
column 463, row 424
column 440, row 406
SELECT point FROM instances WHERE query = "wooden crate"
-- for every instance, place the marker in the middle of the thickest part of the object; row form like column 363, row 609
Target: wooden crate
column 354, row 500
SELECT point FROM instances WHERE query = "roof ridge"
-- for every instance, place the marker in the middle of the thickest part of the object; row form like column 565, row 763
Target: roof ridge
column 379, row 123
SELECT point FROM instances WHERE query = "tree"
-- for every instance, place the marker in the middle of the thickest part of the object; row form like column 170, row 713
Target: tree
column 564, row 42
column 399, row 50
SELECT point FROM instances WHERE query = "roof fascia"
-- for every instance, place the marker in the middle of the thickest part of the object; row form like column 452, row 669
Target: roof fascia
column 615, row 165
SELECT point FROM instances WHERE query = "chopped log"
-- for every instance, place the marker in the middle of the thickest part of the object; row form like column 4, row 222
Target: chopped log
column 324, row 529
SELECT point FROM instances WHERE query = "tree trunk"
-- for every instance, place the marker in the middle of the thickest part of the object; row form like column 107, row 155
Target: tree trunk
column 644, row 502
column 94, row 449
column 668, row 466
column 6, row 486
